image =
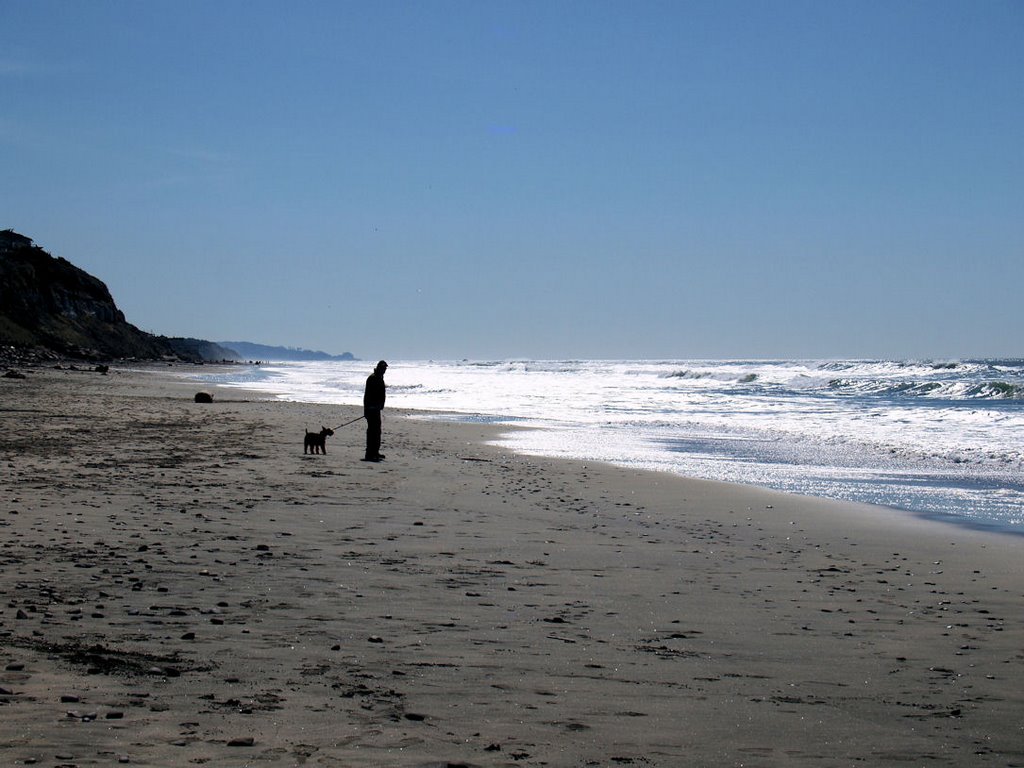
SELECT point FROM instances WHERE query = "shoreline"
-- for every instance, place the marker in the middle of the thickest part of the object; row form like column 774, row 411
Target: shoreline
column 939, row 518
column 506, row 424
column 207, row 593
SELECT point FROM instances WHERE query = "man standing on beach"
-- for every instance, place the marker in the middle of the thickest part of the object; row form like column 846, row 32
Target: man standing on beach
column 373, row 404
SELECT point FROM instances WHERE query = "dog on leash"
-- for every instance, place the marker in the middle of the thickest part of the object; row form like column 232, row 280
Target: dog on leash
column 316, row 442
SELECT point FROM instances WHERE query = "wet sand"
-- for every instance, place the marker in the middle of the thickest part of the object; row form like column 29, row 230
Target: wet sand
column 183, row 586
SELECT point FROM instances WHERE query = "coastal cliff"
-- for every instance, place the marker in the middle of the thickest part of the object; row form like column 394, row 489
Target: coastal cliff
column 50, row 307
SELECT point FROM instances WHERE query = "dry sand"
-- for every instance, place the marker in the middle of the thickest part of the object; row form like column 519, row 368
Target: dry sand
column 182, row 586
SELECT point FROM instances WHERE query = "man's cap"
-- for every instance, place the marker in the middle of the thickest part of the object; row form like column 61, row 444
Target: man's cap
column 382, row 364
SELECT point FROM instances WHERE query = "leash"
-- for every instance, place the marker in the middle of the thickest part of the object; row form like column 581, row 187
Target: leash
column 357, row 418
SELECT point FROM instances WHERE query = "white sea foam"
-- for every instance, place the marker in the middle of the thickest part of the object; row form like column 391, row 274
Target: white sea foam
column 943, row 438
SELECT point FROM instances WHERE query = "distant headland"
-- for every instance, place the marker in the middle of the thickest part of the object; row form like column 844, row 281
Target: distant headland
column 250, row 351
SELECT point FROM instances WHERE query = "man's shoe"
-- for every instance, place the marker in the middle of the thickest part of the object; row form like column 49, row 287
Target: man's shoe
column 371, row 458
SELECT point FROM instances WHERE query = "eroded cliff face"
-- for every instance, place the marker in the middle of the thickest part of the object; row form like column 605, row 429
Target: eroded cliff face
column 49, row 303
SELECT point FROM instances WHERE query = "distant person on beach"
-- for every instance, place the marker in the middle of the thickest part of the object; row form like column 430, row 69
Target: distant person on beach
column 373, row 404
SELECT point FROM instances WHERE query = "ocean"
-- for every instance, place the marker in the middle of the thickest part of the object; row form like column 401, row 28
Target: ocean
column 943, row 439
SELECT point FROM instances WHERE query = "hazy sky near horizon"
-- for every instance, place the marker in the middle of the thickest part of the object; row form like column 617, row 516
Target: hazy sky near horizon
column 531, row 179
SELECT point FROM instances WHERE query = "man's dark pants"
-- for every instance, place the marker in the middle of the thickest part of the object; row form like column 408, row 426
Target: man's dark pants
column 372, row 433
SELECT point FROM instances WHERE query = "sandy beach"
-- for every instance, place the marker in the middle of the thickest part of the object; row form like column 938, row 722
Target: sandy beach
column 183, row 586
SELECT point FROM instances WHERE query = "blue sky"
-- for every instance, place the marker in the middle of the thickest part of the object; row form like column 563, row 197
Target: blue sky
column 531, row 179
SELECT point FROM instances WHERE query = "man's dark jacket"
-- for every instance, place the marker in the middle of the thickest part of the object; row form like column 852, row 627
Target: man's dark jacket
column 375, row 394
